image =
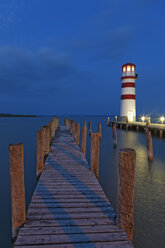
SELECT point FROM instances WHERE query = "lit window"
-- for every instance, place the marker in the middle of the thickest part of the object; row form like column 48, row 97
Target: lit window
column 128, row 68
column 124, row 68
column 133, row 68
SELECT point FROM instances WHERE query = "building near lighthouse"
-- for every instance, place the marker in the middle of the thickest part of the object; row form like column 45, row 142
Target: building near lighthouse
column 128, row 101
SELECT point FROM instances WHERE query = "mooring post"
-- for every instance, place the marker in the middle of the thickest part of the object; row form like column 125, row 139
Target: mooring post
column 155, row 131
column 50, row 134
column 99, row 129
column 40, row 154
column 66, row 123
column 83, row 138
column 70, row 127
column 95, row 150
column 115, row 119
column 126, row 185
column 161, row 133
column 45, row 139
column 69, row 124
column 73, row 129
column 77, row 133
column 90, row 127
column 52, row 129
column 108, row 121
column 56, row 122
column 149, row 145
column 114, row 136
column 148, row 122
column 17, row 186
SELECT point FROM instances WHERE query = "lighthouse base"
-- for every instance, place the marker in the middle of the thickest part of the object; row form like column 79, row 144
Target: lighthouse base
column 128, row 118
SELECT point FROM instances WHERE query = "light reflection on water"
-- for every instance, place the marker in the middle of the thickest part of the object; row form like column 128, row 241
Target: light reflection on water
column 149, row 179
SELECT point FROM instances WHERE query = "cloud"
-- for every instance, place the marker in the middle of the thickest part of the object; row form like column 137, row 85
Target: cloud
column 109, row 44
column 22, row 71
column 44, row 72
column 115, row 42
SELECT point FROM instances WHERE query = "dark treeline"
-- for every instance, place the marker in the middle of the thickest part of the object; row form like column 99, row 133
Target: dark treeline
column 14, row 115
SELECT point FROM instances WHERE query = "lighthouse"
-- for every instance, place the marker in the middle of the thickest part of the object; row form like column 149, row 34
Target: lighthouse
column 128, row 101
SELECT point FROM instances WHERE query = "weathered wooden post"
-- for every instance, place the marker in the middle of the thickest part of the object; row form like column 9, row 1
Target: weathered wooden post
column 149, row 145
column 108, row 121
column 69, row 124
column 50, row 134
column 83, row 138
column 45, row 139
column 56, row 122
column 52, row 129
column 73, row 129
column 155, row 131
column 90, row 127
column 17, row 186
column 148, row 122
column 95, row 150
column 40, row 153
column 161, row 133
column 99, row 129
column 77, row 133
column 115, row 119
column 114, row 136
column 126, row 185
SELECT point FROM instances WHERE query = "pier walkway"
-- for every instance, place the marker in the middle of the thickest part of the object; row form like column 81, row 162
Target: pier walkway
column 69, row 207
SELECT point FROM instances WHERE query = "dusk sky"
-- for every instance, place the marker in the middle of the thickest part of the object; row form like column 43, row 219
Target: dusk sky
column 65, row 56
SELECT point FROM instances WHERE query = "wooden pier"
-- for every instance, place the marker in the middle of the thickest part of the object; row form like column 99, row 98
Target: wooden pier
column 155, row 128
column 69, row 207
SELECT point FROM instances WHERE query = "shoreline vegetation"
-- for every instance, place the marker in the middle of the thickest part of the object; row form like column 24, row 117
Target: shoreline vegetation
column 15, row 115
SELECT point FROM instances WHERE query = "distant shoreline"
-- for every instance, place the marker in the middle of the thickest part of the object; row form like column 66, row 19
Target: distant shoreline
column 13, row 115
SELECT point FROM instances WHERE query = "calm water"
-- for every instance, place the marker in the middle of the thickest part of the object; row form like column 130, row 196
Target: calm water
column 150, row 177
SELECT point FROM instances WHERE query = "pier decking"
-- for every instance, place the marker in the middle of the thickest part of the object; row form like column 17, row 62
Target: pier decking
column 69, row 207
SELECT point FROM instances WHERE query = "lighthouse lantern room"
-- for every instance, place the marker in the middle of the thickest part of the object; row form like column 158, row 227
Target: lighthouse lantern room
column 128, row 102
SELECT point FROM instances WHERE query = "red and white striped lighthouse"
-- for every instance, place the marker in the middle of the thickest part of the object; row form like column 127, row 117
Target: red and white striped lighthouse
column 128, row 102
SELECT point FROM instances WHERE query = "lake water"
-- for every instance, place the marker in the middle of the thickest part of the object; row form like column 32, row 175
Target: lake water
column 149, row 185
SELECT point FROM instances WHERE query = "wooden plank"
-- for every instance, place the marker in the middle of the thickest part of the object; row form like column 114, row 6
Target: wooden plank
column 115, row 244
column 68, row 205
column 71, row 238
column 79, row 222
column 68, row 229
column 69, row 200
column 69, row 196
column 60, row 216
column 60, row 210
column 70, row 193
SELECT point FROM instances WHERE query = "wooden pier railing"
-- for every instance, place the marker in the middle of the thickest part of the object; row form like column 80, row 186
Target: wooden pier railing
column 69, row 207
